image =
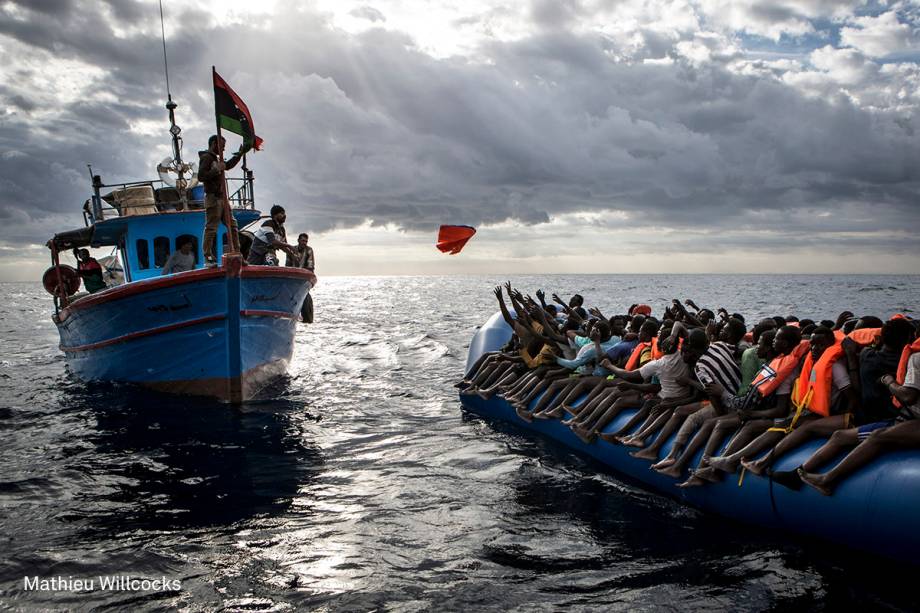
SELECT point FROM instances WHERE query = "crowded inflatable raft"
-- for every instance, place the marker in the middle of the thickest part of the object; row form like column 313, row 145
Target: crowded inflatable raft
column 810, row 426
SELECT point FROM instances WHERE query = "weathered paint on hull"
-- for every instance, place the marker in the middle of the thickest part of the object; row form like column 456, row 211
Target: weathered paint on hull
column 226, row 332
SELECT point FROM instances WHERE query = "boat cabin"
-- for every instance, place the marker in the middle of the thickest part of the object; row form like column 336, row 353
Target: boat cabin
column 144, row 242
column 145, row 223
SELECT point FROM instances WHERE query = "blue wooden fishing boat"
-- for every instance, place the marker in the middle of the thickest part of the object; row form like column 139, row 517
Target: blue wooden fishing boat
column 226, row 331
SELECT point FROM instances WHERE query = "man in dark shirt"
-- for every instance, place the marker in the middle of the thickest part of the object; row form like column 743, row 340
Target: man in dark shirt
column 210, row 167
column 874, row 363
column 303, row 258
column 89, row 270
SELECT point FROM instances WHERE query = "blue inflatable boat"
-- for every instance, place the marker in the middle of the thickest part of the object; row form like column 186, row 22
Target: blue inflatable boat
column 876, row 510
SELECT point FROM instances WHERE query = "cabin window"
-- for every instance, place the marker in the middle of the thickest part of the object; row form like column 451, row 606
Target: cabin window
column 143, row 254
column 192, row 239
column 160, row 251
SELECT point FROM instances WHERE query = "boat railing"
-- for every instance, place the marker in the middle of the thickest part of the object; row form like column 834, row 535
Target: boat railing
column 156, row 196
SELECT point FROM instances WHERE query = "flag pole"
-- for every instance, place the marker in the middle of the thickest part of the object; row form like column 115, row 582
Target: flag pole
column 234, row 242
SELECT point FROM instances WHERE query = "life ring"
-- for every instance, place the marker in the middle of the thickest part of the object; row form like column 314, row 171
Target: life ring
column 69, row 278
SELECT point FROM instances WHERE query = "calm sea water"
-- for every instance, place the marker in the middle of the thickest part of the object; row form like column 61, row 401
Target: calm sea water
column 363, row 486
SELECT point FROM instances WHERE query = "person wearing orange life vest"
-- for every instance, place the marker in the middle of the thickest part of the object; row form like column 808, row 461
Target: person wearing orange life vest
column 767, row 400
column 824, row 392
column 871, row 440
column 815, row 393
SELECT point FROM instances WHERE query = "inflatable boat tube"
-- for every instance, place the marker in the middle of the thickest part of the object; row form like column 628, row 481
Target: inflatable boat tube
column 876, row 509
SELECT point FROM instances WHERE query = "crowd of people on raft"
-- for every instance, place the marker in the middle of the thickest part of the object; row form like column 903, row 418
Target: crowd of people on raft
column 711, row 377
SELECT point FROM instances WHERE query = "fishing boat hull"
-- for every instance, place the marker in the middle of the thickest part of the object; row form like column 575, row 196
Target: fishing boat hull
column 874, row 510
column 225, row 332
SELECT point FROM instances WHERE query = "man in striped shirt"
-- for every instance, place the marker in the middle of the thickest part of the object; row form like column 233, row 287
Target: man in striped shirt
column 716, row 365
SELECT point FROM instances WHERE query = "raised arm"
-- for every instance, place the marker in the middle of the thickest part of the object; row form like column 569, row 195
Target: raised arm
column 541, row 296
column 517, row 304
column 501, row 305
column 549, row 330
column 689, row 318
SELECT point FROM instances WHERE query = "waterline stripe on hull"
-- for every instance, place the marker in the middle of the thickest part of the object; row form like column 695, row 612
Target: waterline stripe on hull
column 258, row 313
column 143, row 333
column 137, row 287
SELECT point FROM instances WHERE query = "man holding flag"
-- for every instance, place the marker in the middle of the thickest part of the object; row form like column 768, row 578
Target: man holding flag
column 232, row 115
column 211, row 174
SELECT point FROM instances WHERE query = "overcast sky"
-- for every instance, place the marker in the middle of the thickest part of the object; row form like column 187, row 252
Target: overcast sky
column 578, row 136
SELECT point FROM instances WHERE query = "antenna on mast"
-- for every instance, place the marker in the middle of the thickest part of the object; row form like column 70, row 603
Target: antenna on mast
column 174, row 165
column 170, row 105
column 165, row 63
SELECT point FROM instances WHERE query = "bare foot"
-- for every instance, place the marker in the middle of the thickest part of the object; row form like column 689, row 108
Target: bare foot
column 693, row 481
column 569, row 409
column 610, row 437
column 524, row 414
column 816, row 481
column 484, row 394
column 584, row 435
column 631, row 441
column 673, row 471
column 470, row 391
column 722, row 463
column 668, row 461
column 708, row 474
column 462, row 384
column 645, row 454
column 568, row 422
column 754, row 467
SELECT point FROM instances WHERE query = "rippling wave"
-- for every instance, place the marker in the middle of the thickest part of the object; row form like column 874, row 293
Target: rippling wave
column 364, row 486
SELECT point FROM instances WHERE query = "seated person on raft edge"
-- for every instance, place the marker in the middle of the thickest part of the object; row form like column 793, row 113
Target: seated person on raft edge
column 583, row 352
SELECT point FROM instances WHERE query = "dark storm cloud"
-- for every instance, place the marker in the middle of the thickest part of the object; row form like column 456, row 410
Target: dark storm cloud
column 367, row 127
column 48, row 7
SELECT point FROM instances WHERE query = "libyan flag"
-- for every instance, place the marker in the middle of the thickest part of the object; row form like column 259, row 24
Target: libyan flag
column 233, row 114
